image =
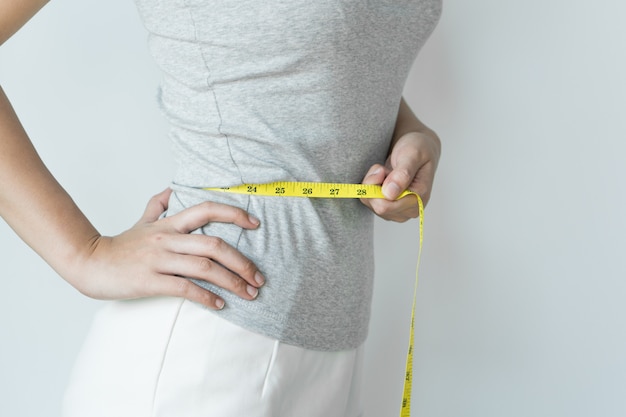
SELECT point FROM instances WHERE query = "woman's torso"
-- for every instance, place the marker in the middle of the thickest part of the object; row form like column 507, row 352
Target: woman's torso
column 261, row 91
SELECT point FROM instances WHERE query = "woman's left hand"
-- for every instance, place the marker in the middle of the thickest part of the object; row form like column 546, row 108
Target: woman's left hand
column 411, row 165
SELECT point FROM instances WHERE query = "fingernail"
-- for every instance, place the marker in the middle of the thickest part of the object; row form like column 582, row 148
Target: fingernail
column 252, row 291
column 254, row 220
column 260, row 279
column 219, row 304
column 391, row 190
column 376, row 171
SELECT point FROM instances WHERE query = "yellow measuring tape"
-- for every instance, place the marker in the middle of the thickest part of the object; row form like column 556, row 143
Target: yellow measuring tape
column 339, row 190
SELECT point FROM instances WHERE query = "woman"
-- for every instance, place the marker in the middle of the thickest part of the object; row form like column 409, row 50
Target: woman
column 241, row 305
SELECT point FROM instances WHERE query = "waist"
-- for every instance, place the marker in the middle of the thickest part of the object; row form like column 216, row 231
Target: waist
column 225, row 159
column 317, row 257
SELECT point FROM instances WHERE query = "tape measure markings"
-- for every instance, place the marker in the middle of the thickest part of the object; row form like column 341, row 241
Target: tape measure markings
column 308, row 190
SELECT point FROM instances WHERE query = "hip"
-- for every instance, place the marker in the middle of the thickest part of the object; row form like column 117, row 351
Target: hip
column 167, row 357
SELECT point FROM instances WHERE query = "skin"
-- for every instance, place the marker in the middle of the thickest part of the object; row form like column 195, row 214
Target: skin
column 411, row 164
column 150, row 258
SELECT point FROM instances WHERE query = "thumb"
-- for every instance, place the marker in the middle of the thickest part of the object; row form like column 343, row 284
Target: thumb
column 156, row 206
column 400, row 177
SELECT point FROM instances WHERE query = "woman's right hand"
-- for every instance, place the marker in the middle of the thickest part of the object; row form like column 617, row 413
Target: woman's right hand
column 153, row 256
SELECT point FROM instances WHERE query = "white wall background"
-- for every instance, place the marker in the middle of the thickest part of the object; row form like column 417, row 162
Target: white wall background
column 521, row 301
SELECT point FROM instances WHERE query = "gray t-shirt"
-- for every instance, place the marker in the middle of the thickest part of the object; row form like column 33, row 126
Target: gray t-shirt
column 302, row 90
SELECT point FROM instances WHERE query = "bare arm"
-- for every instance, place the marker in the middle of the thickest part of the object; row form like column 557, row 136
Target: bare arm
column 147, row 259
column 30, row 198
column 14, row 14
column 33, row 203
column 411, row 164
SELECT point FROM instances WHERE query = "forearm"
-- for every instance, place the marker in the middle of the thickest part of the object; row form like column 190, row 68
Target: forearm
column 34, row 204
column 408, row 122
column 14, row 14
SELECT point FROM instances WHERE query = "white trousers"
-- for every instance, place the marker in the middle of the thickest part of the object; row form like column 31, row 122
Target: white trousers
column 168, row 357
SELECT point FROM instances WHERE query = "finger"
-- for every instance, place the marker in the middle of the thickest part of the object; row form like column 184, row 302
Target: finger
column 197, row 216
column 181, row 287
column 401, row 176
column 375, row 175
column 424, row 180
column 214, row 248
column 156, row 206
column 210, row 271
column 400, row 210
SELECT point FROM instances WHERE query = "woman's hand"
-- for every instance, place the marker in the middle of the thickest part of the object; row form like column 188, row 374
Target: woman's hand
column 152, row 257
column 149, row 259
column 411, row 165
